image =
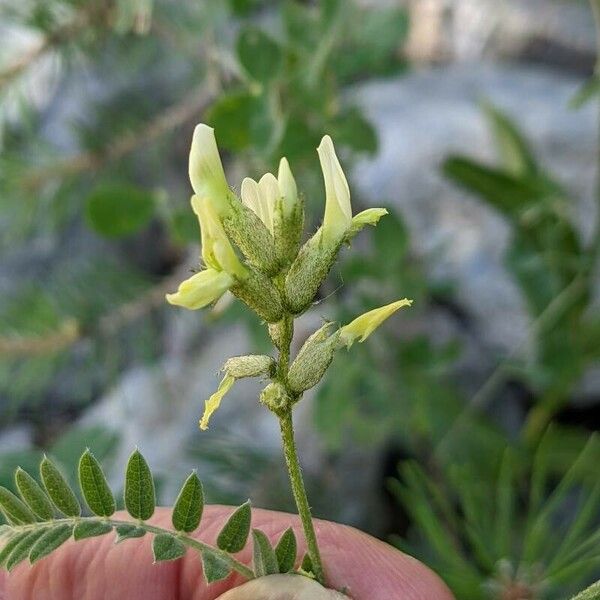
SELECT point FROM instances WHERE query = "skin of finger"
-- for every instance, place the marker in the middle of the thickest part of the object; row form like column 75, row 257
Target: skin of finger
column 99, row 568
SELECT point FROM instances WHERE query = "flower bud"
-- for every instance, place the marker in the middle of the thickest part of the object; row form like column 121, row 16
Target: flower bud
column 275, row 397
column 206, row 170
column 201, row 289
column 252, row 237
column 213, row 403
column 313, row 360
column 287, row 188
column 338, row 212
column 362, row 327
column 260, row 294
column 253, row 365
column 308, row 271
column 288, row 216
column 217, row 251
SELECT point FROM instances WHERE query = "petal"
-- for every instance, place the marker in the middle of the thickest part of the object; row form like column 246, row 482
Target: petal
column 251, row 195
column 213, row 403
column 269, row 191
column 206, row 170
column 287, row 187
column 363, row 326
column 201, row 289
column 338, row 212
column 217, row 251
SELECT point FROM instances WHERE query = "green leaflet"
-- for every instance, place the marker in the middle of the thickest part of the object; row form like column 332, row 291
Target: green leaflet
column 10, row 546
column 16, row 511
column 22, row 549
column 167, row 547
column 50, row 541
column 306, row 564
column 234, row 534
column 94, row 486
column 214, row 567
column 126, row 532
column 33, row 495
column 139, row 488
column 265, row 560
column 286, row 550
column 88, row 529
column 58, row 489
column 189, row 505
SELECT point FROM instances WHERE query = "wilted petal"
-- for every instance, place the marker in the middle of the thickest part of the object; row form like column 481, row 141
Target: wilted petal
column 338, row 212
column 287, row 187
column 213, row 403
column 206, row 170
column 363, row 326
column 201, row 289
column 217, row 251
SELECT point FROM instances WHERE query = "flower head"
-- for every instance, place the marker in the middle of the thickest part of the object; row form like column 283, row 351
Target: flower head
column 362, row 327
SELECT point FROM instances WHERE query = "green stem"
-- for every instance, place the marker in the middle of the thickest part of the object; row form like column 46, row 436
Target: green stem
column 197, row 545
column 299, row 491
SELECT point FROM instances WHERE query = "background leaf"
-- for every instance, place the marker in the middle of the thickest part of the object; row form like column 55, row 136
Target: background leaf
column 119, row 209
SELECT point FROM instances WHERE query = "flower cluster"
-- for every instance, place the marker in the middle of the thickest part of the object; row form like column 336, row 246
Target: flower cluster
column 252, row 247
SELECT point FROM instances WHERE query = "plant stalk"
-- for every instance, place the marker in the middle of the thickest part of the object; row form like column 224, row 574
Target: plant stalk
column 299, row 491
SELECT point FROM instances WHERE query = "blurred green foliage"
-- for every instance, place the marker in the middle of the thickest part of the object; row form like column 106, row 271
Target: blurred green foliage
column 523, row 532
column 552, row 266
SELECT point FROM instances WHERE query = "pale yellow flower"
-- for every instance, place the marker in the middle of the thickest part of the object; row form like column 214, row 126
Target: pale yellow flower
column 201, row 289
column 213, row 403
column 206, row 170
column 338, row 212
column 362, row 327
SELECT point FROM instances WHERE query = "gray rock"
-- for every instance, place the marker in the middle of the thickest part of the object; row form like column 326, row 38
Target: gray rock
column 420, row 120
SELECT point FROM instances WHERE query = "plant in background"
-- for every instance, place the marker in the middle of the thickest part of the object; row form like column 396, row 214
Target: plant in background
column 551, row 264
column 251, row 248
column 525, row 536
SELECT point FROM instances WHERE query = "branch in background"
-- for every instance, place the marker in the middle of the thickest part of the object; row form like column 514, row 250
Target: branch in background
column 171, row 118
column 96, row 13
column 71, row 331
